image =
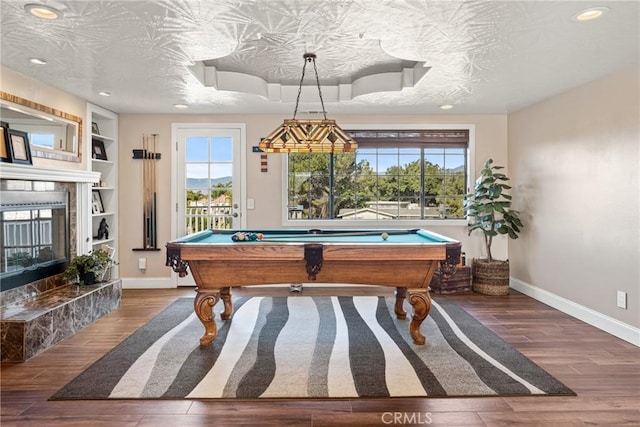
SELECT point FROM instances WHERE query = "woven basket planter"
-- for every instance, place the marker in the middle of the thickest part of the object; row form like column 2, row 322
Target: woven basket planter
column 490, row 277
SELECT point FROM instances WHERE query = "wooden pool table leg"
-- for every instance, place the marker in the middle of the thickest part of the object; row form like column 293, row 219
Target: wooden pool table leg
column 421, row 302
column 225, row 294
column 203, row 306
column 401, row 294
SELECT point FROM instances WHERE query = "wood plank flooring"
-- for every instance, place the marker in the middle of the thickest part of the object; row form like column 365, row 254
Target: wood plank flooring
column 604, row 371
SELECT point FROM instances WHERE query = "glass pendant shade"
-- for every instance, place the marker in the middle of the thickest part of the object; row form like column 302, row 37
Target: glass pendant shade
column 308, row 135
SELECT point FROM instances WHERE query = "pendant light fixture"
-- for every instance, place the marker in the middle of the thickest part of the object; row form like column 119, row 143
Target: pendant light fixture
column 308, row 135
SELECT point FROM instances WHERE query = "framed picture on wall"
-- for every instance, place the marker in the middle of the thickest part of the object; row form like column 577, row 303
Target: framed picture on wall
column 4, row 142
column 18, row 147
column 97, row 149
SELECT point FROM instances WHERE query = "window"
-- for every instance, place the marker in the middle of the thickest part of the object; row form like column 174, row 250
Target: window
column 208, row 172
column 393, row 175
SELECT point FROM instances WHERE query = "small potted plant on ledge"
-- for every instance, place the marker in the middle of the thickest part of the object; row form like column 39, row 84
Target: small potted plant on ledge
column 488, row 209
column 90, row 268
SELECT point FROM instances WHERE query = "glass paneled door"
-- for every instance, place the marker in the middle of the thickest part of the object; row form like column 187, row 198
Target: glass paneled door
column 208, row 175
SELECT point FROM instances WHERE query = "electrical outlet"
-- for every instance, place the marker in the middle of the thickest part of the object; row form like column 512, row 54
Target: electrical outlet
column 622, row 299
column 142, row 263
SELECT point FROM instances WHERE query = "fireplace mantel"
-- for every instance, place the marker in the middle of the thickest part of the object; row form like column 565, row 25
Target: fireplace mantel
column 31, row 173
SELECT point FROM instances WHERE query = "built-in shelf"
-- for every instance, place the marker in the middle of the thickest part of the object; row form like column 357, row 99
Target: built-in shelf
column 105, row 162
column 97, row 243
column 102, row 137
column 107, row 147
column 102, row 214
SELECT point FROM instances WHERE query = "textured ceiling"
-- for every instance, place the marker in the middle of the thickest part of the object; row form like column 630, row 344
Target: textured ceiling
column 374, row 57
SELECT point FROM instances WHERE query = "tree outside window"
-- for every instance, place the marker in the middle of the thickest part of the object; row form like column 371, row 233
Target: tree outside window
column 425, row 180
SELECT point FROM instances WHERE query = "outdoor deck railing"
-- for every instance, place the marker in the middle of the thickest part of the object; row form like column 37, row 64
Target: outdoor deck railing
column 200, row 218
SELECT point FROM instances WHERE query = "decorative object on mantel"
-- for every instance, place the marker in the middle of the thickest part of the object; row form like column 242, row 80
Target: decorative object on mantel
column 488, row 208
column 88, row 269
column 19, row 149
column 149, row 156
column 4, row 139
column 311, row 135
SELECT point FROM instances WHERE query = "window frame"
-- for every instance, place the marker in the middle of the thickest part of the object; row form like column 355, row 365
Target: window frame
column 392, row 223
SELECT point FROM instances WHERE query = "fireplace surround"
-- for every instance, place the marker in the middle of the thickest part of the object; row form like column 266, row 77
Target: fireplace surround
column 47, row 214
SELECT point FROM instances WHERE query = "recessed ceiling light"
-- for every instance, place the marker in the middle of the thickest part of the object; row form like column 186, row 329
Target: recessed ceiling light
column 590, row 14
column 181, row 105
column 104, row 93
column 446, row 107
column 38, row 61
column 43, row 11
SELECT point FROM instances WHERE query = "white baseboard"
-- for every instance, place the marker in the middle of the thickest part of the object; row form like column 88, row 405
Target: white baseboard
column 601, row 321
column 147, row 283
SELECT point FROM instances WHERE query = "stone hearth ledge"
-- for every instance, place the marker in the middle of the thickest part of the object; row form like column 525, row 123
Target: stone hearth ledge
column 32, row 325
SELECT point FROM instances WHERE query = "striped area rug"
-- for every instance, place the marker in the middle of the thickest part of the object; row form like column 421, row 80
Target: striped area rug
column 311, row 347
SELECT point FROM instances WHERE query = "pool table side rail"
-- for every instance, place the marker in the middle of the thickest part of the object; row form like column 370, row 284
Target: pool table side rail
column 289, row 251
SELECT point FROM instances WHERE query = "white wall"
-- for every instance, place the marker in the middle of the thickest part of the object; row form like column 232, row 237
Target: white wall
column 574, row 162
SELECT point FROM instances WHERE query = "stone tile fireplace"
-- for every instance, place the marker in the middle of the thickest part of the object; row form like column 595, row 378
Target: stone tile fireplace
column 45, row 222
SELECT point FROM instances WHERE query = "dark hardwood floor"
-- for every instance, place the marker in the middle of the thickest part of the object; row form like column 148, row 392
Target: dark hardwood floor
column 604, row 372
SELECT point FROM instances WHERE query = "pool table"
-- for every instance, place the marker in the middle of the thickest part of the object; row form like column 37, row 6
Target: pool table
column 404, row 259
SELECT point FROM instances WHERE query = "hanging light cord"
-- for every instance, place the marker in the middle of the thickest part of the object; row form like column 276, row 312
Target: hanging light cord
column 309, row 57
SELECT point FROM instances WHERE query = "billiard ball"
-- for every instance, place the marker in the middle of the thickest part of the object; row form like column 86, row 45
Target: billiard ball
column 384, row 236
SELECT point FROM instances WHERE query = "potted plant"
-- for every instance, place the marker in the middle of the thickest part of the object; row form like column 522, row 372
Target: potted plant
column 89, row 268
column 488, row 208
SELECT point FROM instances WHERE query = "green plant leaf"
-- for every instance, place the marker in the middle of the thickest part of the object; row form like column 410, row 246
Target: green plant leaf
column 488, row 206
